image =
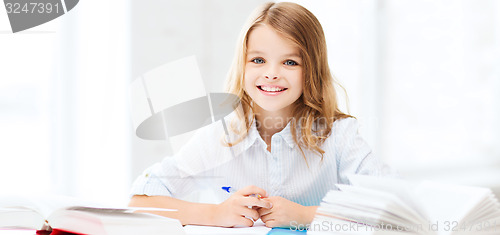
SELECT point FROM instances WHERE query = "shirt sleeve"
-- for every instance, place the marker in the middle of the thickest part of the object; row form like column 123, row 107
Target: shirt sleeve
column 145, row 183
column 185, row 172
column 354, row 155
column 161, row 179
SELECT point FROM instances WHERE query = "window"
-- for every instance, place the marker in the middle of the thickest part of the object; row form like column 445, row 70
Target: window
column 423, row 78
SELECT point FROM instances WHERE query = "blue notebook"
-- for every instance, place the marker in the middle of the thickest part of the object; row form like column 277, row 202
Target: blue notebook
column 285, row 231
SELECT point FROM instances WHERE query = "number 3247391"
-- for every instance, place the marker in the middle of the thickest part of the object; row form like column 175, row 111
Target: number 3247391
column 32, row 8
column 478, row 226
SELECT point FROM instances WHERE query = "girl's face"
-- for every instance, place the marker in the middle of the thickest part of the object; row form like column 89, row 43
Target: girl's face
column 273, row 70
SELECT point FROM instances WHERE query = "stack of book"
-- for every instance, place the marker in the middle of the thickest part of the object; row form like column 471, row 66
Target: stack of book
column 374, row 205
column 64, row 216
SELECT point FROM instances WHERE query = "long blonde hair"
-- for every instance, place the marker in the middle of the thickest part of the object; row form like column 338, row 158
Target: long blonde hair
column 316, row 109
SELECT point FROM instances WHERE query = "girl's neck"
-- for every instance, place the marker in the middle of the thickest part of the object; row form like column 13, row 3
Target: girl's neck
column 271, row 122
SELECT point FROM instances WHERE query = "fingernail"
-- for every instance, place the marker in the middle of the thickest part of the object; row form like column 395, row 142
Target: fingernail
column 270, row 205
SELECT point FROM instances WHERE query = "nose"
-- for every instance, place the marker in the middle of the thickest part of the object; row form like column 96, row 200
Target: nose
column 272, row 73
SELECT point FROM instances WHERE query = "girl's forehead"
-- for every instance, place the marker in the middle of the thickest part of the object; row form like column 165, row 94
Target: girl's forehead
column 265, row 39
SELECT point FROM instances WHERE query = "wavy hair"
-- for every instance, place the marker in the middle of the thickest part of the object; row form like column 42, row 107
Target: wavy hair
column 317, row 108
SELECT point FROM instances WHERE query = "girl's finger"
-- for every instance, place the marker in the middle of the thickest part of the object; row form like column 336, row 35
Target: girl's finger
column 263, row 211
column 249, row 213
column 252, row 190
column 266, row 218
column 270, row 223
column 243, row 221
column 253, row 201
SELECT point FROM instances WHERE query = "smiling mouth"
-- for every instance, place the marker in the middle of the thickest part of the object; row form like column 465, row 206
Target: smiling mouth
column 271, row 89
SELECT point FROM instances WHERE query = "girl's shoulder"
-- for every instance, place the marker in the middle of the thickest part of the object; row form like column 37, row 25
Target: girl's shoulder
column 344, row 132
column 340, row 127
column 344, row 125
column 343, row 129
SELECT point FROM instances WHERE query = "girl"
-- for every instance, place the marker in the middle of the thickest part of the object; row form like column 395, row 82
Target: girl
column 289, row 143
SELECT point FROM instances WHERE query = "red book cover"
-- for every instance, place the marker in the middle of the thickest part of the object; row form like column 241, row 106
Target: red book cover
column 56, row 232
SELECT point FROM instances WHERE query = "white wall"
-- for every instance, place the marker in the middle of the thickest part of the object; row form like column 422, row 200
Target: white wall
column 164, row 31
column 91, row 146
column 63, row 105
column 422, row 77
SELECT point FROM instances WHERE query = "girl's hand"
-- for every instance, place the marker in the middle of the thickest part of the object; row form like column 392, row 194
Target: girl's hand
column 235, row 210
column 284, row 212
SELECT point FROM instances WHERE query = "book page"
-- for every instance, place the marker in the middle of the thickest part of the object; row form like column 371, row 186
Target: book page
column 400, row 188
column 449, row 203
column 20, row 218
column 112, row 221
column 12, row 203
column 44, row 204
column 391, row 202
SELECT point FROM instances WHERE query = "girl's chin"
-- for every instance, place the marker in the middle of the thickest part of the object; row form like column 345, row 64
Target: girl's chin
column 270, row 108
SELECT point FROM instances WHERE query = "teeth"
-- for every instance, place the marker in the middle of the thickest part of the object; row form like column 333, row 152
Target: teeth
column 271, row 89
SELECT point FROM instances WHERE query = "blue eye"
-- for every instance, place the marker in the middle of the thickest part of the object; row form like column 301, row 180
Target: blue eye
column 291, row 62
column 258, row 60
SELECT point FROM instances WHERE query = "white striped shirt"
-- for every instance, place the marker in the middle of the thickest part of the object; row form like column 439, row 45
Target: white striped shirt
column 204, row 163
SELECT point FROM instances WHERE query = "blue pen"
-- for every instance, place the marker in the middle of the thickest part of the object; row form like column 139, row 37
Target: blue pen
column 232, row 190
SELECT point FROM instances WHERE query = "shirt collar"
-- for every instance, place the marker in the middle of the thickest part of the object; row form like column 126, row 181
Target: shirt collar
column 286, row 134
column 254, row 137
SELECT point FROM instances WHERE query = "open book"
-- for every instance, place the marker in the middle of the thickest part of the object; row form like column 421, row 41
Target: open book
column 373, row 205
column 69, row 215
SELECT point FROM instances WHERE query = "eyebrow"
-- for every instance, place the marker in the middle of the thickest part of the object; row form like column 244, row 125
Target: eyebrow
column 287, row 55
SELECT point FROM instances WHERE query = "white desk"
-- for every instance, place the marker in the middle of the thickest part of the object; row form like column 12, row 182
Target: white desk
column 190, row 230
column 257, row 229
